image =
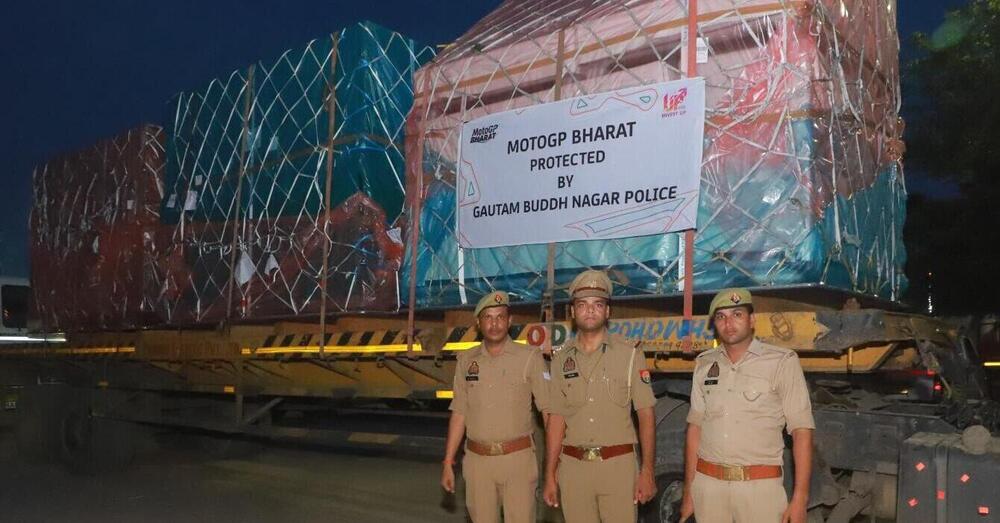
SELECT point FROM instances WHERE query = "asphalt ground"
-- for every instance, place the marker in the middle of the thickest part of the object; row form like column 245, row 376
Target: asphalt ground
column 173, row 479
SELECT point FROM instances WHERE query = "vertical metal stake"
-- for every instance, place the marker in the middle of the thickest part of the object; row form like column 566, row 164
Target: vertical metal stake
column 692, row 71
column 331, row 130
column 244, row 138
column 548, row 299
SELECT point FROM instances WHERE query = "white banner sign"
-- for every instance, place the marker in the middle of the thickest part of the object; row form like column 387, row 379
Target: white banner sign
column 619, row 164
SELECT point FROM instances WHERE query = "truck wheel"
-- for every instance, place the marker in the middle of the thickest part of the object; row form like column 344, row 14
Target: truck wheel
column 666, row 506
column 39, row 410
column 90, row 445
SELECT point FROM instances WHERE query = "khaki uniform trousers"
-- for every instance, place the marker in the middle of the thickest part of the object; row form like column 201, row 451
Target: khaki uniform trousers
column 509, row 481
column 598, row 491
column 754, row 501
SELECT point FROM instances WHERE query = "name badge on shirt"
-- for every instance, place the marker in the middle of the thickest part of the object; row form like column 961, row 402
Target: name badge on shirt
column 473, row 373
column 569, row 368
column 713, row 374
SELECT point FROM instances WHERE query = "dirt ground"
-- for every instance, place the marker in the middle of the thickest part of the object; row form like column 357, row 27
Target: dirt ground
column 277, row 483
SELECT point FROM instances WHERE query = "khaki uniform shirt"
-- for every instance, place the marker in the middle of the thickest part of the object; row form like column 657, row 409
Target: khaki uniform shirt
column 596, row 392
column 494, row 392
column 742, row 407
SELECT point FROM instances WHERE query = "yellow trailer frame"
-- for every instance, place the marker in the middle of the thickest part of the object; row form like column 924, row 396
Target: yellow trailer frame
column 298, row 359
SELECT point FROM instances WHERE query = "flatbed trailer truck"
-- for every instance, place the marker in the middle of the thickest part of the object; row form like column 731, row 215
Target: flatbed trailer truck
column 877, row 377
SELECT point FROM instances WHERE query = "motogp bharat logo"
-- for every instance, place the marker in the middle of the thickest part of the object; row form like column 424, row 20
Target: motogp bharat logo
column 484, row 134
column 673, row 103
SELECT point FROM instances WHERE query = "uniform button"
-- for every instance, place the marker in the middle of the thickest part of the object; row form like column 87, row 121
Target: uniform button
column 591, row 420
column 730, row 390
column 590, row 400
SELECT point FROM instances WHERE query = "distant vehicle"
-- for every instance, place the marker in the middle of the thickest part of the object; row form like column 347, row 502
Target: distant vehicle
column 14, row 299
column 15, row 304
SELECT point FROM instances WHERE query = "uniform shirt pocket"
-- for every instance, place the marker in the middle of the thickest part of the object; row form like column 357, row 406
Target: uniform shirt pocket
column 755, row 392
column 618, row 391
column 574, row 391
column 476, row 391
column 713, row 401
column 517, row 389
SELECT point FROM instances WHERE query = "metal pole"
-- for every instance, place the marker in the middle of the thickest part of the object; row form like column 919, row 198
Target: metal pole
column 247, row 106
column 692, row 71
column 415, row 210
column 331, row 130
column 548, row 301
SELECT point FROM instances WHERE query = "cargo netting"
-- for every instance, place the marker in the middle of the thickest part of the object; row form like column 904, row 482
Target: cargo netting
column 92, row 219
column 801, row 179
column 282, row 169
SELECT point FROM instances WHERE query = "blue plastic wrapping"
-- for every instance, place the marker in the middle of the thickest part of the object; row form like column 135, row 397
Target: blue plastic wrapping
column 269, row 179
column 801, row 179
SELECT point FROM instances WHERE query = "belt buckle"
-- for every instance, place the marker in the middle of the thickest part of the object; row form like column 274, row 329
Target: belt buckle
column 733, row 473
column 496, row 448
column 592, row 454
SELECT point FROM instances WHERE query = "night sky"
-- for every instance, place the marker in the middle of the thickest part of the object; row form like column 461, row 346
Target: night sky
column 75, row 72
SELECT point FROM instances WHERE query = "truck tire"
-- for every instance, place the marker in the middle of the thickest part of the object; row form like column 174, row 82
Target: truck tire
column 91, row 445
column 665, row 507
column 39, row 410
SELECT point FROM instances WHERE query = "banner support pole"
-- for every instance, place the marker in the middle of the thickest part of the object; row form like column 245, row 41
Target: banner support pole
column 548, row 300
column 692, row 71
column 328, row 186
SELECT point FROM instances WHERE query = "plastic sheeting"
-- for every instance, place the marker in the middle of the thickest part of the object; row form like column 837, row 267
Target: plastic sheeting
column 256, row 205
column 801, row 178
column 92, row 213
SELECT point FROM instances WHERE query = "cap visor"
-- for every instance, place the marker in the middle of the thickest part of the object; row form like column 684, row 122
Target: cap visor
column 591, row 293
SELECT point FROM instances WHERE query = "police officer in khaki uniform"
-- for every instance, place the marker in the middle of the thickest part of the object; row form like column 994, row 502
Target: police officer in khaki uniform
column 597, row 380
column 494, row 384
column 743, row 394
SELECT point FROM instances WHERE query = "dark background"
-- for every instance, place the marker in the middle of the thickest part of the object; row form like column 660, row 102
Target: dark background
column 74, row 72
